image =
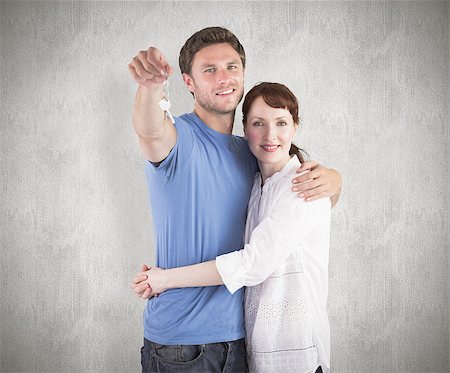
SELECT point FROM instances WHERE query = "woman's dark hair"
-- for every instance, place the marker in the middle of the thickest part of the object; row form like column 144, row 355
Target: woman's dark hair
column 275, row 95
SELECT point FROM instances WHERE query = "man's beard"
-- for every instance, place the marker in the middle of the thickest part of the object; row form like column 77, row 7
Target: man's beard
column 209, row 105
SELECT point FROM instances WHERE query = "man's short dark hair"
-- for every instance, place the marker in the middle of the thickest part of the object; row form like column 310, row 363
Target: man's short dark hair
column 204, row 38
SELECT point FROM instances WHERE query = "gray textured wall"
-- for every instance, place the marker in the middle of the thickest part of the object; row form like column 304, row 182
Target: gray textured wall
column 373, row 82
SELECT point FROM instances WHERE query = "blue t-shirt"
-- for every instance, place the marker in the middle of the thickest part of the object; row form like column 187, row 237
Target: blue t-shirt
column 198, row 197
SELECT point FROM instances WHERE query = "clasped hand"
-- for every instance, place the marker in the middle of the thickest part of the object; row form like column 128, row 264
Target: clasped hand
column 149, row 282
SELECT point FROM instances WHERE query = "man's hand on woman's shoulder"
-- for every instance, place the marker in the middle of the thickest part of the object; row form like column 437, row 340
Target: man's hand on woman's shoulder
column 317, row 181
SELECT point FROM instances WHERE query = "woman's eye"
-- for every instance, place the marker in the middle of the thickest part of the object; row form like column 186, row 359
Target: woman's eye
column 282, row 123
column 257, row 124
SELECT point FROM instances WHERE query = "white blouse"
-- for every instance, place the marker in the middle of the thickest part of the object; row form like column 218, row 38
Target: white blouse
column 284, row 265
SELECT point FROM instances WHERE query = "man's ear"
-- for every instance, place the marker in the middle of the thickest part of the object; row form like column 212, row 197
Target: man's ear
column 189, row 82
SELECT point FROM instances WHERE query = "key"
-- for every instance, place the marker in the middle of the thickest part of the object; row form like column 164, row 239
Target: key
column 164, row 104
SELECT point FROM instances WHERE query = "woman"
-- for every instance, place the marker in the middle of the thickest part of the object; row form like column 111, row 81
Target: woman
column 284, row 263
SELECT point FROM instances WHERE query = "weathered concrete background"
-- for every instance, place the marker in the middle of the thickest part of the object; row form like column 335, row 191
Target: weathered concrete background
column 373, row 82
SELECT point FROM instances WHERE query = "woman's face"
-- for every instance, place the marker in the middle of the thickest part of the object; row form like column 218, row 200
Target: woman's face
column 269, row 132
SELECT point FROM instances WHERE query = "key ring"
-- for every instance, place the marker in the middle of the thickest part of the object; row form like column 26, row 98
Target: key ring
column 164, row 104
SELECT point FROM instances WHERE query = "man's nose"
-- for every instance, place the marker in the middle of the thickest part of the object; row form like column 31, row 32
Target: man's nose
column 223, row 76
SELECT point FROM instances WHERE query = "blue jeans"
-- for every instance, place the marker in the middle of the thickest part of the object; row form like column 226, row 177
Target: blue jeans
column 211, row 357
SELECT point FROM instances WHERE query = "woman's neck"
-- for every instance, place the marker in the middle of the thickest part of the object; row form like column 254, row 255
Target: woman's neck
column 269, row 169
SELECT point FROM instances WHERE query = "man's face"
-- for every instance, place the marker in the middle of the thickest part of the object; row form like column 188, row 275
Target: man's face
column 216, row 78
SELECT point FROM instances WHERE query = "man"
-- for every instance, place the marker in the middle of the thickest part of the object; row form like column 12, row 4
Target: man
column 200, row 177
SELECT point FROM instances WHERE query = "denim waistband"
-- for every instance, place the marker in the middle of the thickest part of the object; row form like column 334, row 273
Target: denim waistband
column 158, row 345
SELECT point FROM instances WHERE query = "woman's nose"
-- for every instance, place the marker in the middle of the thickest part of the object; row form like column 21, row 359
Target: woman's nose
column 270, row 132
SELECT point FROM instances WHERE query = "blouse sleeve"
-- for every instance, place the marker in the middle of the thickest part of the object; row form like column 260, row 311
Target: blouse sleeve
column 272, row 241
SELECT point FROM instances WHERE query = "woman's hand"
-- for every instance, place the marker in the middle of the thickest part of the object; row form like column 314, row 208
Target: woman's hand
column 149, row 282
column 156, row 280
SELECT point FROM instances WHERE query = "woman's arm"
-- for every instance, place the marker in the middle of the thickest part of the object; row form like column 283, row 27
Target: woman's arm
column 271, row 243
column 276, row 238
column 201, row 274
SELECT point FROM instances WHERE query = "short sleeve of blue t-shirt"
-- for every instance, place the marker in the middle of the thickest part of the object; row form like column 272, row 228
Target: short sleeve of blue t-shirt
column 181, row 151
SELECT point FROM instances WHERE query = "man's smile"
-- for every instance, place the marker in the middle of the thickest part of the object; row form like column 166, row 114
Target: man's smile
column 225, row 92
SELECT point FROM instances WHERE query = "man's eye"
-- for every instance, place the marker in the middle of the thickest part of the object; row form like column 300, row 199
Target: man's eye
column 210, row 70
column 232, row 67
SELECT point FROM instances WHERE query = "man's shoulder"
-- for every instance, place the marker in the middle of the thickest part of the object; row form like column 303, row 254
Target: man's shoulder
column 241, row 142
column 186, row 118
column 240, row 138
column 185, row 125
column 188, row 123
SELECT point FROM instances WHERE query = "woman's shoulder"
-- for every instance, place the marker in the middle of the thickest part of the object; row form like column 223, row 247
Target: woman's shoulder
column 290, row 198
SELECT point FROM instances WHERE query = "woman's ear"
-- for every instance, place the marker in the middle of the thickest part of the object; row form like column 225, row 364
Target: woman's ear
column 294, row 133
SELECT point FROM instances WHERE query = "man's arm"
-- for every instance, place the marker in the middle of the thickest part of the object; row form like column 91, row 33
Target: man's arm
column 156, row 133
column 317, row 182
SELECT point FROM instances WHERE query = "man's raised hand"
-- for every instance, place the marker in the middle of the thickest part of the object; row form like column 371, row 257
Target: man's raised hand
column 149, row 68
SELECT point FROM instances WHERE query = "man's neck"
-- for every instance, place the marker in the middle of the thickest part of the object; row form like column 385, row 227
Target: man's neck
column 222, row 123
